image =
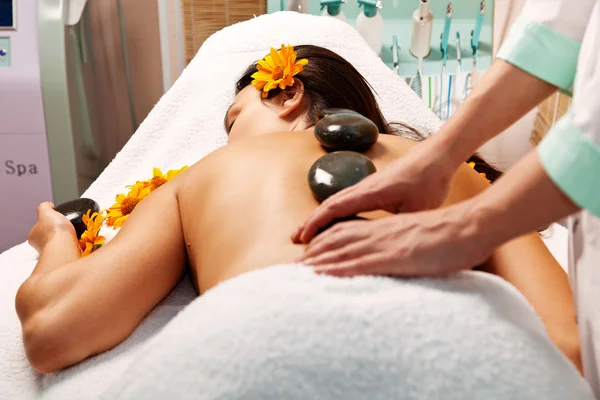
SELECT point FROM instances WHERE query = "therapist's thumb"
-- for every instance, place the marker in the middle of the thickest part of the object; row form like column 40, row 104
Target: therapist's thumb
column 348, row 202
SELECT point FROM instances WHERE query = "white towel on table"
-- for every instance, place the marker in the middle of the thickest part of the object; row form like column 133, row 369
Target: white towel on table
column 286, row 333
column 184, row 126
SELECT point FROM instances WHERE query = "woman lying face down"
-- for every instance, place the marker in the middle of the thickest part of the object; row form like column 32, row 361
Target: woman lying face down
column 231, row 213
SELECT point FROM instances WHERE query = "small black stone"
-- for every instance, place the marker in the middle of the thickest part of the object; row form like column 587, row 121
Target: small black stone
column 346, row 131
column 74, row 210
column 337, row 171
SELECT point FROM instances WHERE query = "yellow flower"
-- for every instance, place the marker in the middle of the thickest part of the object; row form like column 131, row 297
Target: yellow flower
column 277, row 69
column 118, row 213
column 158, row 179
column 142, row 184
column 90, row 240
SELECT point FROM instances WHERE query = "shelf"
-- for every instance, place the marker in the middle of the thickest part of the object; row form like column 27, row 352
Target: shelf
column 397, row 18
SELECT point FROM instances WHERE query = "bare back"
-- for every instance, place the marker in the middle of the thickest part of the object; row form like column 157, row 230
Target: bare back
column 240, row 204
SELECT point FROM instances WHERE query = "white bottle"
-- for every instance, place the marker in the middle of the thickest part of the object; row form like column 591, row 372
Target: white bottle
column 370, row 24
column 420, row 41
column 333, row 8
column 300, row 6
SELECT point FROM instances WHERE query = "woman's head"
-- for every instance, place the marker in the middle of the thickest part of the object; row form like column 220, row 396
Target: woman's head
column 327, row 81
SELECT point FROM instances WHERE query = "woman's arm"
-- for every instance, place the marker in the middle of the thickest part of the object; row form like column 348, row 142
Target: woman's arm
column 72, row 308
column 527, row 263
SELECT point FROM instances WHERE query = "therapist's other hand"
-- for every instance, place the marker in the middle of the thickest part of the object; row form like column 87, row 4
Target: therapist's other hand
column 50, row 224
column 420, row 180
column 417, row 244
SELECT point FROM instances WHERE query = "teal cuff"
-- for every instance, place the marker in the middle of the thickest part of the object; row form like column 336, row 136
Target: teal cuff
column 541, row 52
column 572, row 161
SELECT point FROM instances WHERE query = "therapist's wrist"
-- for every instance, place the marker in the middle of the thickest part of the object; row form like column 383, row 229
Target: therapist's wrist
column 460, row 231
column 446, row 155
column 484, row 224
column 451, row 146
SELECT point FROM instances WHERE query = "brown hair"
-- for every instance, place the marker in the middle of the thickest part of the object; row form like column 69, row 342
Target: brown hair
column 332, row 82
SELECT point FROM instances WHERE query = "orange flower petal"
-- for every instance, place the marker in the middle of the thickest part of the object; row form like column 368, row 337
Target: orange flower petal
column 157, row 172
column 88, row 249
column 275, row 56
column 286, row 53
column 259, row 84
column 86, row 218
column 261, row 76
column 271, row 85
column 264, row 66
column 261, row 68
column 270, row 62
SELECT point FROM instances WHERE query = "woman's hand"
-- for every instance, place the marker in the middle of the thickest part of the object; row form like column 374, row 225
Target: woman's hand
column 418, row 181
column 50, row 224
column 426, row 243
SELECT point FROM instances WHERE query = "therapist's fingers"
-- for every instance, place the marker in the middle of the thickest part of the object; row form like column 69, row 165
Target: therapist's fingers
column 349, row 201
column 324, row 214
column 336, row 237
column 350, row 251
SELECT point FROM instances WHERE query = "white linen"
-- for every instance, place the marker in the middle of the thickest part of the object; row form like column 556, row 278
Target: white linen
column 287, row 333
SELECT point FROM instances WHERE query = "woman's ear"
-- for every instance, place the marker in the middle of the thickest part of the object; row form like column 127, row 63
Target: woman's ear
column 291, row 99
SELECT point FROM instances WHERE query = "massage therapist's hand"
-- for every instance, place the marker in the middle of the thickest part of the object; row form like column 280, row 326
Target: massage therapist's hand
column 418, row 181
column 415, row 244
column 50, row 224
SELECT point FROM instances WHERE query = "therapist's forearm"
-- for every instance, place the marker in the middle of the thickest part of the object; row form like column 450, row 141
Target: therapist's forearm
column 522, row 201
column 503, row 96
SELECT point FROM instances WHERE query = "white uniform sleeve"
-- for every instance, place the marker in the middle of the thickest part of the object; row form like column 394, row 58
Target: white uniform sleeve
column 570, row 153
column 546, row 38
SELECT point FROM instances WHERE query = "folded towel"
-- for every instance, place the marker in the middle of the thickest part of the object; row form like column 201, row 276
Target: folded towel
column 286, row 333
column 185, row 125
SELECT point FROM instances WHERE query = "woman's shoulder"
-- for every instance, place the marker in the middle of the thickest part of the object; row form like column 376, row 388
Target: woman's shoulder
column 391, row 146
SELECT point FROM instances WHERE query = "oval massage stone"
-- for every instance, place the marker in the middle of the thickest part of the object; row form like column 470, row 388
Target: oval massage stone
column 346, row 130
column 337, row 171
column 74, row 210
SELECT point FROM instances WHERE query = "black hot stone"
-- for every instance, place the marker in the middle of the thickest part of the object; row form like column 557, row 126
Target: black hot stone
column 74, row 210
column 346, row 131
column 337, row 171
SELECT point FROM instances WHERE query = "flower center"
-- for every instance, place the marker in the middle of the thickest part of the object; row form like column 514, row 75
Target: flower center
column 277, row 73
column 157, row 182
column 128, row 205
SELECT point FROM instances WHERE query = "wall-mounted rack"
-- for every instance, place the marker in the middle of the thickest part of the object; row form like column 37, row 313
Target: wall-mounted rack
column 397, row 18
